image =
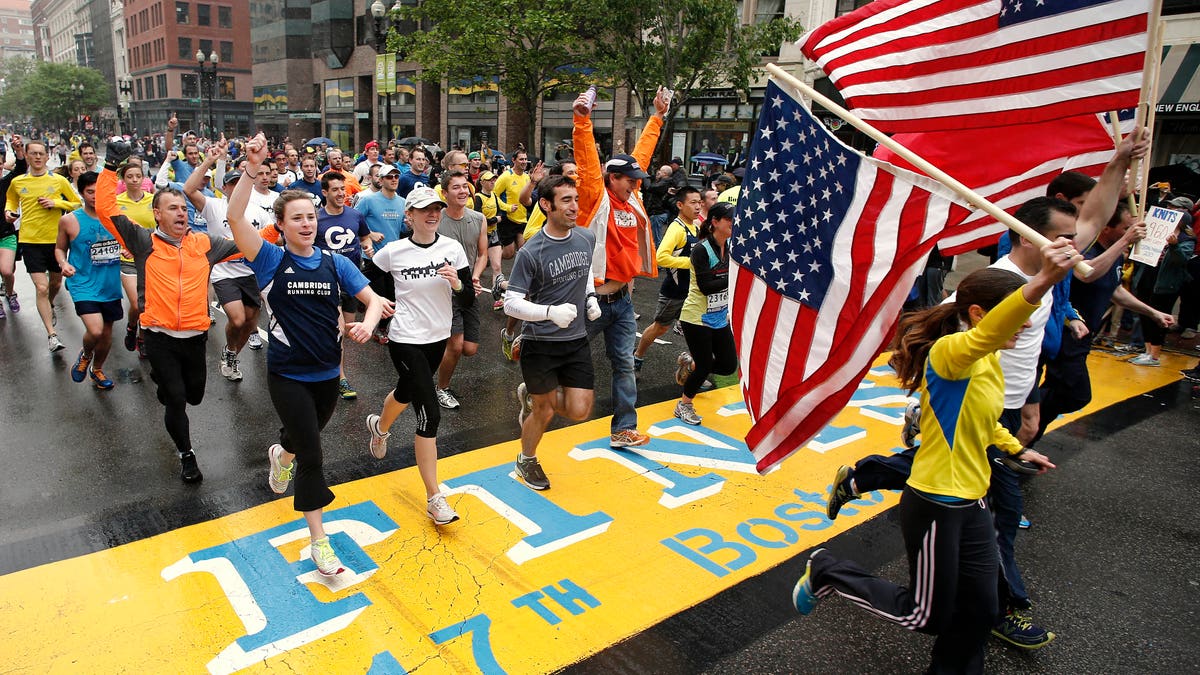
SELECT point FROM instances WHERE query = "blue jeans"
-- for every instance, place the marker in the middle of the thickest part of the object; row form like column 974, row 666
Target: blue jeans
column 658, row 225
column 1008, row 503
column 620, row 334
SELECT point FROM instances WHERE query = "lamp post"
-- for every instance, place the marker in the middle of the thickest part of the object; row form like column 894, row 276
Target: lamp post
column 207, row 68
column 125, row 87
column 77, row 96
column 380, row 14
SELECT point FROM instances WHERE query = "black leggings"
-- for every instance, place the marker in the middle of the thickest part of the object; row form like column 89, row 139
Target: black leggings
column 713, row 352
column 304, row 408
column 415, row 368
column 179, row 368
column 1154, row 333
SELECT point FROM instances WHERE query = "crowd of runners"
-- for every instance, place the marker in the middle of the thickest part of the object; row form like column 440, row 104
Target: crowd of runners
column 307, row 245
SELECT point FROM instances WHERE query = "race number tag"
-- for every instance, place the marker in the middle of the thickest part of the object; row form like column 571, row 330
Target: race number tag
column 106, row 252
column 718, row 302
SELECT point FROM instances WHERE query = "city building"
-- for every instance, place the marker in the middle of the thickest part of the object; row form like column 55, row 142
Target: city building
column 63, row 31
column 16, row 30
column 210, row 94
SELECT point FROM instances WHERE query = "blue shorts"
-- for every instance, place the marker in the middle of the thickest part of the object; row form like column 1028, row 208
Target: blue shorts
column 110, row 311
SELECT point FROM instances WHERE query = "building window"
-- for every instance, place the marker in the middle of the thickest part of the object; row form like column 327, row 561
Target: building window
column 767, row 10
column 225, row 17
column 206, row 47
column 162, row 85
column 226, row 90
column 189, row 85
column 226, row 52
column 185, row 49
column 339, row 93
column 204, row 15
column 149, row 87
column 182, row 13
column 139, row 87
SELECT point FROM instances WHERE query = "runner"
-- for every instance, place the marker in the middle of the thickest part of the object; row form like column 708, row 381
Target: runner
column 551, row 289
column 173, row 265
column 947, row 526
column 673, row 253
column 8, row 233
column 302, row 285
column 705, row 313
column 428, row 269
column 136, row 204
column 90, row 260
column 39, row 198
column 468, row 228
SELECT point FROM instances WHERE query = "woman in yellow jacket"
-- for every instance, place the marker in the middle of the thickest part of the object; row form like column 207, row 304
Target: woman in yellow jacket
column 949, row 353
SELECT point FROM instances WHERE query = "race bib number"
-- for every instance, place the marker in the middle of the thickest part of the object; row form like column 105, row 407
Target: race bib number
column 718, row 302
column 106, row 252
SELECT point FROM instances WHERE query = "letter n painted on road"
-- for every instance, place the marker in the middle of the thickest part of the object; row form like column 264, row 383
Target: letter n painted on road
column 548, row 526
column 268, row 592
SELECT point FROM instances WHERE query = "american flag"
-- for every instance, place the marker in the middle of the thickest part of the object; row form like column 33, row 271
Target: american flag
column 826, row 245
column 1021, row 160
column 928, row 65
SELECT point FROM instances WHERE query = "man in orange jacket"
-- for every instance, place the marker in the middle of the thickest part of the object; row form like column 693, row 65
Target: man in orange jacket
column 611, row 208
column 173, row 265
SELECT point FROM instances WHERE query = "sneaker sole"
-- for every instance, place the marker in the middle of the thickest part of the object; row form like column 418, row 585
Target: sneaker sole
column 683, row 419
column 531, row 486
column 627, row 444
column 441, row 522
column 1021, row 645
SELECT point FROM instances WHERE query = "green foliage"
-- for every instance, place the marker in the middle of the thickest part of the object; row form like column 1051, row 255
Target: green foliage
column 42, row 90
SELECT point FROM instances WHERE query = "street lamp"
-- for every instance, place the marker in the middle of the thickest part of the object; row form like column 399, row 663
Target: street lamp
column 77, row 95
column 380, row 14
column 125, row 86
column 207, row 68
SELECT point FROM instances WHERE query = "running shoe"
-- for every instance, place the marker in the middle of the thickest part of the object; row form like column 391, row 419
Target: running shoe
column 131, row 337
column 378, row 445
column 526, row 402
column 530, row 471
column 637, row 365
column 840, row 492
column 516, row 346
column 229, row 366
column 189, row 470
column 1144, row 360
column 803, row 597
column 708, row 385
column 506, row 344
column 446, row 399
column 79, row 370
column 687, row 413
column 912, row 424
column 14, row 305
column 439, row 511
column 1024, row 523
column 677, row 328
column 1192, row 375
column 686, row 366
column 255, row 342
column 1018, row 465
column 101, row 380
column 498, row 290
column 324, row 558
column 55, row 344
column 628, row 438
column 346, row 391
column 1018, row 630
column 280, row 475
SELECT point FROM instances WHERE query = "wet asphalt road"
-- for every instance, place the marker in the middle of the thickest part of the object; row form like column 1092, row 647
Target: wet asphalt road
column 1111, row 560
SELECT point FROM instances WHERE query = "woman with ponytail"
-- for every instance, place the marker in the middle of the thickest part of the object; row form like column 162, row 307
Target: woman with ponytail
column 948, row 355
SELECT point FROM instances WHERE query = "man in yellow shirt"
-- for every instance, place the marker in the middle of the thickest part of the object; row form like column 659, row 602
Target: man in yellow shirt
column 39, row 198
column 513, row 215
column 672, row 254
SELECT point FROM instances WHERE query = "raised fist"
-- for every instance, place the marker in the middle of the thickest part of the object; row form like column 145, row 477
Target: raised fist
column 117, row 150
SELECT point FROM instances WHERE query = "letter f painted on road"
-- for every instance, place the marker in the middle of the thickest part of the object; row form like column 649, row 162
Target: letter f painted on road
column 268, row 593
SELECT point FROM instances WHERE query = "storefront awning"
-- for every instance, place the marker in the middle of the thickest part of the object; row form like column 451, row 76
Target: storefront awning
column 1179, row 79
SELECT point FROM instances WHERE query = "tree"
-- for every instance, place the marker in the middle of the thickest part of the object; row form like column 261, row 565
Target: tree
column 42, row 90
column 530, row 47
column 687, row 45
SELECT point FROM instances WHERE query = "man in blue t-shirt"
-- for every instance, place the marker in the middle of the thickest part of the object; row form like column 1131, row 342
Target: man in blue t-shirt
column 308, row 180
column 384, row 210
column 418, row 173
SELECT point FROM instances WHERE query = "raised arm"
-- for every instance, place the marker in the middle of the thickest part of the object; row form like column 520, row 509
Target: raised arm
column 193, row 188
column 244, row 234
column 1102, row 200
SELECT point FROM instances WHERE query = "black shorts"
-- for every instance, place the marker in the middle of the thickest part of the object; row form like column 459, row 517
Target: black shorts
column 494, row 237
column 110, row 311
column 509, row 230
column 39, row 258
column 548, row 365
column 238, row 289
column 465, row 321
column 350, row 304
column 668, row 311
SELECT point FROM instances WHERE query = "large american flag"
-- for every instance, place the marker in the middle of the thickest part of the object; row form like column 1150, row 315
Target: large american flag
column 1010, row 165
column 826, row 246
column 927, row 65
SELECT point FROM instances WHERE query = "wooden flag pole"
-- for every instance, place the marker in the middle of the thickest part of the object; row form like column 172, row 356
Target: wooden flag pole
column 973, row 198
column 1131, row 180
column 1149, row 91
column 1152, row 105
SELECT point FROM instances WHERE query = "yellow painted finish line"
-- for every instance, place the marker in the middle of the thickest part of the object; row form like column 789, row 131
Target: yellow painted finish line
column 524, row 582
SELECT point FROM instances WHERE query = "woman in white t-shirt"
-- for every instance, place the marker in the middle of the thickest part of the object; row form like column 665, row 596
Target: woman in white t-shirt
column 427, row 269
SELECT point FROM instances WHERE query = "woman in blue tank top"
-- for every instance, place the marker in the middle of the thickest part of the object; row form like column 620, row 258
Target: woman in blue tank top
column 301, row 286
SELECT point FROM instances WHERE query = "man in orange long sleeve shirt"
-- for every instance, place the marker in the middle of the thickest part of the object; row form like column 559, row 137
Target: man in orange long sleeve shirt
column 611, row 208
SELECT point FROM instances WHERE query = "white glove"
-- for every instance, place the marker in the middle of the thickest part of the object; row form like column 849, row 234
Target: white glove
column 593, row 308
column 562, row 315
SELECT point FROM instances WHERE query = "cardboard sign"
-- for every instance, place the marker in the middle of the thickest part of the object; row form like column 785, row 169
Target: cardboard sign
column 1160, row 224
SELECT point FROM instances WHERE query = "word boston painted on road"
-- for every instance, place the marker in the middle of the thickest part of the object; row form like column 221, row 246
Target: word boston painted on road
column 525, row 582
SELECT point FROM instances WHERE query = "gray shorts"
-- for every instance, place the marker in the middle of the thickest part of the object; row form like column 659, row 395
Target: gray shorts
column 466, row 321
column 239, row 289
column 668, row 310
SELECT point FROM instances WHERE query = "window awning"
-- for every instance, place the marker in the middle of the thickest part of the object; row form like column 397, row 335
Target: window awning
column 1179, row 79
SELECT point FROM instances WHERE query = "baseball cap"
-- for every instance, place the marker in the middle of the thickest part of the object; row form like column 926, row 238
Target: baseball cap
column 389, row 169
column 676, row 160
column 371, row 144
column 487, row 175
column 232, row 176
column 739, row 172
column 721, row 210
column 1183, row 203
column 422, row 196
column 474, row 155
column 626, row 165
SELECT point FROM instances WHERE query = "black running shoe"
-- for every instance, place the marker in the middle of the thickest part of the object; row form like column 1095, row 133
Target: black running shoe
column 189, row 469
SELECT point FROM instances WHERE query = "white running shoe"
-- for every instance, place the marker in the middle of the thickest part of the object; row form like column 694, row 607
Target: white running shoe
column 325, row 559
column 446, row 399
column 280, row 475
column 378, row 445
column 229, row 366
column 439, row 511
column 254, row 342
